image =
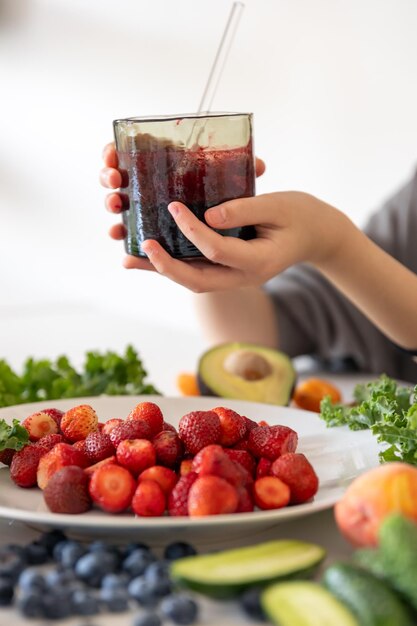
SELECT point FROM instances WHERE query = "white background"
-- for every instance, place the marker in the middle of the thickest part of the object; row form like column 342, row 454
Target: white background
column 332, row 84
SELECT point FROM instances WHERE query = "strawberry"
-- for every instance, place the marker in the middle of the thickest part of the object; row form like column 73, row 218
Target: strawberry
column 168, row 447
column 136, row 455
column 233, row 426
column 67, row 491
column 24, row 465
column 61, row 455
column 178, row 498
column 149, row 499
column 165, row 477
column 132, row 429
column 212, row 495
column 49, row 441
column 243, row 457
column 98, row 446
column 245, row 504
column 56, row 414
column 250, row 424
column 6, row 456
column 92, row 468
column 243, row 444
column 199, row 429
column 149, row 413
column 270, row 493
column 213, row 461
column 39, row 424
column 297, row 472
column 272, row 441
column 168, row 426
column 263, row 468
column 79, row 422
column 112, row 487
column 110, row 424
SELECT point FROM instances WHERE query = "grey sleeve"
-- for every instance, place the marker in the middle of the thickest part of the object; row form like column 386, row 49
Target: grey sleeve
column 314, row 318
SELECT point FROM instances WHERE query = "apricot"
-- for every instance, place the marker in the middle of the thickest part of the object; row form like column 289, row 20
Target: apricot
column 309, row 393
column 373, row 496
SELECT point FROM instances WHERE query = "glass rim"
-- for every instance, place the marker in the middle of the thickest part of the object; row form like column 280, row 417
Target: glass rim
column 173, row 117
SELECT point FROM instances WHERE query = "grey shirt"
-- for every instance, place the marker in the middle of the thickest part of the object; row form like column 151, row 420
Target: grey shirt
column 315, row 319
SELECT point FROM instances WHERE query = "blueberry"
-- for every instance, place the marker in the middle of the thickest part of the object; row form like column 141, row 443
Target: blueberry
column 30, row 605
column 143, row 592
column 149, row 619
column 115, row 600
column 115, row 581
column 12, row 561
column 136, row 563
column 250, row 601
column 58, row 605
column 36, row 553
column 59, row 577
column 180, row 609
column 84, row 603
column 31, row 580
column 178, row 550
column 93, row 566
column 131, row 547
column 157, row 575
column 51, row 538
column 57, row 550
column 70, row 552
column 6, row 592
column 101, row 546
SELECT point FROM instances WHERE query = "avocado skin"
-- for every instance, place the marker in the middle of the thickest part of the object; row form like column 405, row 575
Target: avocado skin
column 207, row 389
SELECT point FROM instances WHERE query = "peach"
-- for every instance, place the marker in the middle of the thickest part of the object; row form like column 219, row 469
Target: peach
column 372, row 496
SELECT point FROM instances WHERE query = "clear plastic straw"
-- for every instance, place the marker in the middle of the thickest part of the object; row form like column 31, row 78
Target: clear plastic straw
column 220, row 58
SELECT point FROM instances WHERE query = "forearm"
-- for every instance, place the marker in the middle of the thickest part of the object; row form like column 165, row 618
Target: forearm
column 245, row 314
column 381, row 287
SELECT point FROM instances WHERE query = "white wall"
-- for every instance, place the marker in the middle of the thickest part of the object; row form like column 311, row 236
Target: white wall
column 332, row 84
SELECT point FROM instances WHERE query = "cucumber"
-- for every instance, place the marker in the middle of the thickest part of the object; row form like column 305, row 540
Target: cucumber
column 369, row 599
column 304, row 603
column 227, row 573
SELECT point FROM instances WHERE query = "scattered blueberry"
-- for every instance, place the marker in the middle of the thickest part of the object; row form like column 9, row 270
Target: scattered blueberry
column 149, row 619
column 58, row 605
column 143, row 592
column 84, row 602
column 51, row 538
column 57, row 550
column 93, row 566
column 250, row 601
column 70, row 552
column 180, row 609
column 59, row 577
column 115, row 581
column 178, row 550
column 115, row 600
column 12, row 561
column 136, row 563
column 131, row 547
column 36, row 553
column 31, row 580
column 6, row 592
column 30, row 605
column 157, row 575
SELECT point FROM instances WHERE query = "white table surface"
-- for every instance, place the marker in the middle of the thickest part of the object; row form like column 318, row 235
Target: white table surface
column 165, row 353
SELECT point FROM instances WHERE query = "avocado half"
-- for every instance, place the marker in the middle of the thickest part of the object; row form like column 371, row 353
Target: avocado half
column 246, row 371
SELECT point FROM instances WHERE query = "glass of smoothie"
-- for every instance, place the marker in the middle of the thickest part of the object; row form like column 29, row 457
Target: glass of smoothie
column 198, row 159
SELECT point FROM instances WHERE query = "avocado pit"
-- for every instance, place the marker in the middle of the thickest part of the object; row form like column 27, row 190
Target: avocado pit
column 246, row 364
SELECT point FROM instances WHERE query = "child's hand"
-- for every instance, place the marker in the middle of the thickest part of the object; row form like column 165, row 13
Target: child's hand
column 291, row 227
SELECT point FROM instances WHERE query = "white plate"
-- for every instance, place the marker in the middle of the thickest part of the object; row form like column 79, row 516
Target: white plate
column 338, row 456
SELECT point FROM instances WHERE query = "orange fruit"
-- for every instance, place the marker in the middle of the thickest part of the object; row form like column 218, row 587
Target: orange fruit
column 309, row 393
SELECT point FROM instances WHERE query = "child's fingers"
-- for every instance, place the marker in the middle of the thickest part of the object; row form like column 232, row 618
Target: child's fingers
column 228, row 251
column 260, row 166
column 110, row 177
column 244, row 212
column 116, row 202
column 197, row 276
column 137, row 263
column 118, row 232
column 110, row 156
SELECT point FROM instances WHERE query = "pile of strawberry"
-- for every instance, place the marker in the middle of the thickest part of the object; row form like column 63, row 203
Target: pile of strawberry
column 217, row 462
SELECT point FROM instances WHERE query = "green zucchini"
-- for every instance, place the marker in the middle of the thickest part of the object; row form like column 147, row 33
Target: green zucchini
column 371, row 600
column 227, row 573
column 304, row 603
